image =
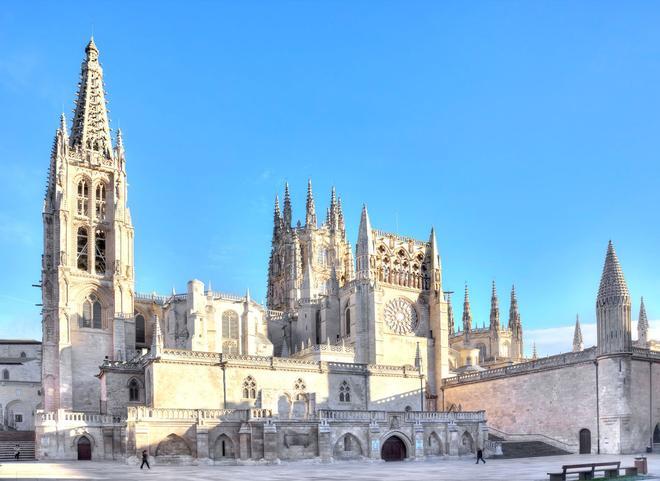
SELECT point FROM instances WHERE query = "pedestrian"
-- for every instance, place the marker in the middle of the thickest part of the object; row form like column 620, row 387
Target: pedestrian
column 480, row 456
column 145, row 459
column 17, row 452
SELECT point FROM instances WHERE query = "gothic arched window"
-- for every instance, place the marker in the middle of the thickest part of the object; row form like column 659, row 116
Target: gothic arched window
column 92, row 313
column 82, row 249
column 99, row 252
column 83, row 197
column 344, row 392
column 139, row 329
column 99, row 201
column 249, row 388
column 5, row 374
column 347, row 315
column 133, row 390
column 230, row 325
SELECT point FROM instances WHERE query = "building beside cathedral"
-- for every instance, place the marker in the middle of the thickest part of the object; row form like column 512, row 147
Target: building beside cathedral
column 355, row 354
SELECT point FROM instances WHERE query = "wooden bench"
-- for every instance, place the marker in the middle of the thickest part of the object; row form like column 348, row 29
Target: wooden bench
column 589, row 470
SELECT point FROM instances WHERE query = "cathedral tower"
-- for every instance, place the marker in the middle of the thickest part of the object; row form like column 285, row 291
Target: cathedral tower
column 87, row 271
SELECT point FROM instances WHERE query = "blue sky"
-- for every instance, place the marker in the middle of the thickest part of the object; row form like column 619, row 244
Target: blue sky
column 525, row 132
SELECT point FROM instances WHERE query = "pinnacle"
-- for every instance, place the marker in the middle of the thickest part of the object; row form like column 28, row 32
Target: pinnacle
column 643, row 319
column 91, row 45
column 612, row 282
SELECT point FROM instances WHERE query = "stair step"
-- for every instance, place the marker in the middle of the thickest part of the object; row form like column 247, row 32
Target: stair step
column 529, row 449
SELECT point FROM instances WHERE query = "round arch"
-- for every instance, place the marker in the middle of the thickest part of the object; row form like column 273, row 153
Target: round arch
column 348, row 446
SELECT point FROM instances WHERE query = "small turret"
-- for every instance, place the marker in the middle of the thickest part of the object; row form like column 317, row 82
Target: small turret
column 578, row 344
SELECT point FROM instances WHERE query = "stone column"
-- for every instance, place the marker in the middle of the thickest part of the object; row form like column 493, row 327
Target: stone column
column 202, row 443
column 270, row 441
column 108, row 451
column 325, row 441
column 374, row 441
column 419, row 441
column 453, row 439
column 244, row 438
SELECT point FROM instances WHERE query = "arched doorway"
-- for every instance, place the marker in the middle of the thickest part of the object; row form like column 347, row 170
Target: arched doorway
column 656, row 434
column 223, row 449
column 434, row 447
column 84, row 449
column 393, row 449
column 467, row 444
column 585, row 441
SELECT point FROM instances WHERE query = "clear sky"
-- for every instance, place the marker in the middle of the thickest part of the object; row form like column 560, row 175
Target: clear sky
column 526, row 132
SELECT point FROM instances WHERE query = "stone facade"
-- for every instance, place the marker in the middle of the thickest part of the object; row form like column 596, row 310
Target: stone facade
column 20, row 384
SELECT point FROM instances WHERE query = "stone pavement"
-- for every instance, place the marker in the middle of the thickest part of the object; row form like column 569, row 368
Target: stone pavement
column 528, row 469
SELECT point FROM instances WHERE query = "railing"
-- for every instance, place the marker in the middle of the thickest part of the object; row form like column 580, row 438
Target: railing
column 226, row 296
column 144, row 413
column 341, row 348
column 529, row 366
column 382, row 233
column 350, row 415
column 70, row 416
column 647, row 353
column 443, row 416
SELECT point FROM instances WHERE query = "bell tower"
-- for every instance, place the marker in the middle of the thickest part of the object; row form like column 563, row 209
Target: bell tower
column 87, row 265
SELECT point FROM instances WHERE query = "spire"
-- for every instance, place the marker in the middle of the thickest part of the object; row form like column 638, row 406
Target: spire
column 613, row 317
column 63, row 127
column 535, row 354
column 642, row 326
column 612, row 283
column 578, row 344
column 364, row 247
column 340, row 218
column 494, row 310
column 333, row 212
column 91, row 129
column 450, row 314
column 157, row 341
column 467, row 315
column 287, row 207
column 277, row 217
column 514, row 315
column 310, row 217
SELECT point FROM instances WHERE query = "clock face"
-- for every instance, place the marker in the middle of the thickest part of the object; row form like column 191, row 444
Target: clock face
column 401, row 316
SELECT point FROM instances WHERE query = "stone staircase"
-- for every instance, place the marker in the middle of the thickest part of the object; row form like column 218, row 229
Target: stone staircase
column 525, row 449
column 9, row 440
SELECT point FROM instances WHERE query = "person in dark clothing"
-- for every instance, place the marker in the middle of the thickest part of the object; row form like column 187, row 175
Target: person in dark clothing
column 145, row 459
column 480, row 456
column 17, row 452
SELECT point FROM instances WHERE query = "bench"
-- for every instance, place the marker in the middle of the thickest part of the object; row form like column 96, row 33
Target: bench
column 589, row 470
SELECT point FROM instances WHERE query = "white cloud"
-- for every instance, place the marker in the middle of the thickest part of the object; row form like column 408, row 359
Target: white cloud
column 554, row 340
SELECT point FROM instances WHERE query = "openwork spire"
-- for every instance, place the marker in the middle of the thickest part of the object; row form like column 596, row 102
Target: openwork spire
column 287, row 207
column 467, row 315
column 333, row 211
column 310, row 216
column 450, row 314
column 578, row 344
column 494, row 310
column 91, row 129
column 277, row 217
column 612, row 283
column 515, row 324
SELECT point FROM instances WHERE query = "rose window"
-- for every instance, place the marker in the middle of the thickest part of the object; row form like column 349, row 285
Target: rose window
column 400, row 316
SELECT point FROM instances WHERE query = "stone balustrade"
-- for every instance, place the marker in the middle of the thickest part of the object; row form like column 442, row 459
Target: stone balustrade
column 549, row 362
column 71, row 416
column 144, row 413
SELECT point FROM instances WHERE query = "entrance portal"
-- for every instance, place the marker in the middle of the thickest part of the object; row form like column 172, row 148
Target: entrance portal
column 393, row 449
column 585, row 441
column 84, row 449
column 656, row 434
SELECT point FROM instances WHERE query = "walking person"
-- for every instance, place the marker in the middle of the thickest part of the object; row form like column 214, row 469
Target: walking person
column 17, row 452
column 480, row 456
column 145, row 459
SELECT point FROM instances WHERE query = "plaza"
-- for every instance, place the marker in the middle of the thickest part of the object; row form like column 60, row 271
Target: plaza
column 463, row 469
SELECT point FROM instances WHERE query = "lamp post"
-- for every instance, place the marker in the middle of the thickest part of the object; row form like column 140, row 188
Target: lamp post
column 418, row 365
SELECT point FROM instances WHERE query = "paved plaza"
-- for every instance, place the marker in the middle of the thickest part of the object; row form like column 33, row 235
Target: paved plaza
column 527, row 469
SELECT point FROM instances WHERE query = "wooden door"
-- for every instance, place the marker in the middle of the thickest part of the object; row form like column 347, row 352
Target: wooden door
column 84, row 449
column 393, row 449
column 585, row 441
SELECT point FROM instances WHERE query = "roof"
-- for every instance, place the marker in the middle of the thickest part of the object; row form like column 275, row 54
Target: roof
column 19, row 341
column 612, row 283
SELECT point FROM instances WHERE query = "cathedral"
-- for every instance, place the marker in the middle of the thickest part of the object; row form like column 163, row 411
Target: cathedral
column 354, row 356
